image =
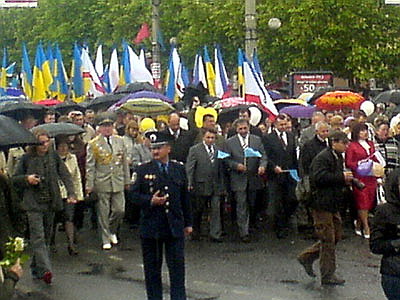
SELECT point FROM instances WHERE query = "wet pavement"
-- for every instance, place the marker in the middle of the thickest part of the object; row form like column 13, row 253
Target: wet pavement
column 266, row 268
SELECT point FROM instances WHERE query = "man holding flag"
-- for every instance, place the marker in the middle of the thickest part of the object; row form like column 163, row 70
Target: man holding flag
column 247, row 162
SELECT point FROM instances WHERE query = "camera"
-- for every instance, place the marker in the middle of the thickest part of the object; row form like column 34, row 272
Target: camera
column 357, row 183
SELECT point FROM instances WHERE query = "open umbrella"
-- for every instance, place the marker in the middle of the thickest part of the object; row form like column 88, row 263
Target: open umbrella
column 135, row 87
column 232, row 113
column 56, row 129
column 102, row 103
column 12, row 134
column 338, row 100
column 228, row 102
column 279, row 104
column 147, row 107
column 141, row 94
column 321, row 91
column 20, row 110
column 65, row 107
column 388, row 96
column 48, row 102
column 299, row 111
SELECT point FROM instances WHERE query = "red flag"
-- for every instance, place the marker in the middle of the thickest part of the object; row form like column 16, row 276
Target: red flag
column 143, row 33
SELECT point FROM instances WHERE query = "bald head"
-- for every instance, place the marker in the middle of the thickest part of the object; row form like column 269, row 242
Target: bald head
column 173, row 121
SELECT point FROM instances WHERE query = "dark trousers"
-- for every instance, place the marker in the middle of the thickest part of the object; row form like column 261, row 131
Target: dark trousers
column 283, row 201
column 200, row 205
column 40, row 228
column 328, row 227
column 391, row 286
column 152, row 250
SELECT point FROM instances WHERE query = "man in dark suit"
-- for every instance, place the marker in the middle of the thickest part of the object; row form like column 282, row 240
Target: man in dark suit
column 206, row 180
column 160, row 188
column 281, row 152
column 245, row 172
column 182, row 139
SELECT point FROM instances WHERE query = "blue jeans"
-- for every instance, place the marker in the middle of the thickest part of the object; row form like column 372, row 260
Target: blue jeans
column 391, row 287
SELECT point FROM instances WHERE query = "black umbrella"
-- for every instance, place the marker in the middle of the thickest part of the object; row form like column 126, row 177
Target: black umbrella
column 56, row 129
column 388, row 96
column 12, row 134
column 68, row 106
column 20, row 110
column 230, row 114
column 135, row 87
column 102, row 103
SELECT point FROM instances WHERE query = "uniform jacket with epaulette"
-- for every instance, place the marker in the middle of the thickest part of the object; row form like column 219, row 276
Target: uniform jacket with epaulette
column 107, row 169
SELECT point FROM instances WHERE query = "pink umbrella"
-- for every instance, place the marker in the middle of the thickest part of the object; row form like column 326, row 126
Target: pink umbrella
column 48, row 102
column 229, row 102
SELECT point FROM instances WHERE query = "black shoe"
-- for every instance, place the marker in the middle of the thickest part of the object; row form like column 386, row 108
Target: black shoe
column 333, row 280
column 307, row 267
column 245, row 239
column 216, row 240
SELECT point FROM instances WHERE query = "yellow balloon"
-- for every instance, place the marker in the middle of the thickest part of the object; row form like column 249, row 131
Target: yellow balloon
column 146, row 124
column 201, row 112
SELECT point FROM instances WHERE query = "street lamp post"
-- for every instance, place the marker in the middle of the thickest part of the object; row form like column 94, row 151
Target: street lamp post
column 156, row 63
column 251, row 27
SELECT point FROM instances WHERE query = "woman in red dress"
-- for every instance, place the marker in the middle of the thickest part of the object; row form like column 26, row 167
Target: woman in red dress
column 360, row 149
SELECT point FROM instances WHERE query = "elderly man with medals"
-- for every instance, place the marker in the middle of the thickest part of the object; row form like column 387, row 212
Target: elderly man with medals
column 160, row 188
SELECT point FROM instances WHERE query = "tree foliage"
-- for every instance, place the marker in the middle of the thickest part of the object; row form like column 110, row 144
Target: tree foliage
column 356, row 39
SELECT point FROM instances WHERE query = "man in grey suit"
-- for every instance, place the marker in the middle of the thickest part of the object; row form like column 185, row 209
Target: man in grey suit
column 247, row 162
column 206, row 180
column 107, row 174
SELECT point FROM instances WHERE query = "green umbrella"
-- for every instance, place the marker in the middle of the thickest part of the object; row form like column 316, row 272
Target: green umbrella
column 147, row 107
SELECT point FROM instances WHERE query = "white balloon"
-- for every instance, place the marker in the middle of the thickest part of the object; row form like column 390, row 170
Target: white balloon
column 183, row 123
column 368, row 107
column 255, row 115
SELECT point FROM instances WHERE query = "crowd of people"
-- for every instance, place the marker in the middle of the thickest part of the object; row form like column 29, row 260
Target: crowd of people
column 124, row 167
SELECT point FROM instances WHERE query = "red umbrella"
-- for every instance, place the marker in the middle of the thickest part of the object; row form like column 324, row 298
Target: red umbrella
column 338, row 100
column 48, row 102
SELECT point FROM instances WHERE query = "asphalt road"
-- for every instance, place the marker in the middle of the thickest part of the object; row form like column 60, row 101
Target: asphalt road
column 264, row 269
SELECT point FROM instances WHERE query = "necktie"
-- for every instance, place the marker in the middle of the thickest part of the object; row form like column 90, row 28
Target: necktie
column 283, row 140
column 244, row 144
column 109, row 142
column 164, row 170
column 210, row 153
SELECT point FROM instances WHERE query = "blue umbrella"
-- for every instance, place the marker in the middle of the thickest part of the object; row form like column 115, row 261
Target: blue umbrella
column 299, row 111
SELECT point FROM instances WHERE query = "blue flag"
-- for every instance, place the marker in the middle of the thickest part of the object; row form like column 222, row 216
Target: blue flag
column 250, row 152
column 222, row 154
column 293, row 173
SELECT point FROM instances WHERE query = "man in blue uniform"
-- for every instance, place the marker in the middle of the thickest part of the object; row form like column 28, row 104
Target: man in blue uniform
column 160, row 188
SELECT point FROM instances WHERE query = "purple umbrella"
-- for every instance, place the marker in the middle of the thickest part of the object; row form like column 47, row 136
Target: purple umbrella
column 141, row 94
column 299, row 111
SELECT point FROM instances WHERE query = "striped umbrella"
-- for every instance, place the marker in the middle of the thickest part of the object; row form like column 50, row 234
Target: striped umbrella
column 147, row 107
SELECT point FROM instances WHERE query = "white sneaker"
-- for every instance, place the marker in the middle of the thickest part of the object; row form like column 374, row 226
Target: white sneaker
column 113, row 239
column 107, row 246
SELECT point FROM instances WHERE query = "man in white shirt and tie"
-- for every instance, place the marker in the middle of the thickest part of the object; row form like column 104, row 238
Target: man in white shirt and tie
column 206, row 181
column 245, row 172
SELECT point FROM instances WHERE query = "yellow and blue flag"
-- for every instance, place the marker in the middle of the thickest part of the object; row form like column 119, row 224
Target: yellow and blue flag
column 60, row 76
column 240, row 72
column 42, row 78
column 3, row 74
column 76, row 76
column 26, row 73
column 210, row 74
